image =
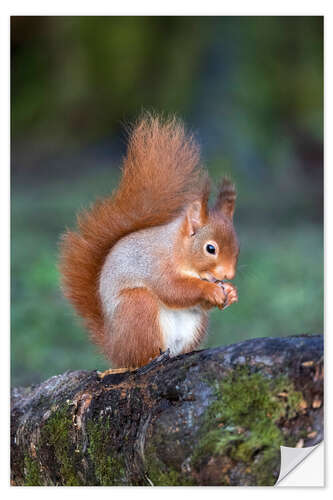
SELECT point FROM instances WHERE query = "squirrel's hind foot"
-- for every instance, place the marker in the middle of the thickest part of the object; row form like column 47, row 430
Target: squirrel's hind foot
column 112, row 371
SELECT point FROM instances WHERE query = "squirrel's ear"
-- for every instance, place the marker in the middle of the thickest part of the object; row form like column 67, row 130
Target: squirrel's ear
column 196, row 215
column 226, row 198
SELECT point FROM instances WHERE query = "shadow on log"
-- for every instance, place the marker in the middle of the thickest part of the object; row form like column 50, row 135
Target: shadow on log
column 212, row 417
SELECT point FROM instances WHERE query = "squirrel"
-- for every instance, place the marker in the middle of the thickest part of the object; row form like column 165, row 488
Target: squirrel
column 147, row 263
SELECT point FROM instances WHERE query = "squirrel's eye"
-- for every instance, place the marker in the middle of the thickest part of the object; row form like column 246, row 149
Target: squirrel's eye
column 210, row 248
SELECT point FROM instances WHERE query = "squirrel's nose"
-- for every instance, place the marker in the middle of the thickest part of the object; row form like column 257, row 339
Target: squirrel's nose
column 222, row 273
column 230, row 275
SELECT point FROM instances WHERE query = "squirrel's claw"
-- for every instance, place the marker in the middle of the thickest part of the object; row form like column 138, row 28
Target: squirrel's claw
column 231, row 294
column 164, row 356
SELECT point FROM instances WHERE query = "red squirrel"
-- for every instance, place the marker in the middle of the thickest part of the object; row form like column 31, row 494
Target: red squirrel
column 146, row 264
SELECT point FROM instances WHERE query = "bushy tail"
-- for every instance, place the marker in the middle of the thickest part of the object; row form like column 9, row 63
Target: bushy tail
column 161, row 175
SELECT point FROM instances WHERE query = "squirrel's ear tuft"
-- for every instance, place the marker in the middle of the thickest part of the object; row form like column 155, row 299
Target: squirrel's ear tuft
column 196, row 216
column 226, row 198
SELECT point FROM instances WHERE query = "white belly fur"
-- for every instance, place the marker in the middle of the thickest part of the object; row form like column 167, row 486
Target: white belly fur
column 179, row 327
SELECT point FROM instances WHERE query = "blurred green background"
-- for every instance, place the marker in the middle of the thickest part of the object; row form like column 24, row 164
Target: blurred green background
column 252, row 90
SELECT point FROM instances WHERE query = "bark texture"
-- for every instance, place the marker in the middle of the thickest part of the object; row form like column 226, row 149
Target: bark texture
column 212, row 417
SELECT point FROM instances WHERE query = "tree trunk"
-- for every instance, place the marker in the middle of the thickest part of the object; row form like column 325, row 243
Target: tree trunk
column 211, row 417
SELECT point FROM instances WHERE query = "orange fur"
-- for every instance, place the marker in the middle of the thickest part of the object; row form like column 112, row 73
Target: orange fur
column 138, row 340
column 226, row 198
column 161, row 175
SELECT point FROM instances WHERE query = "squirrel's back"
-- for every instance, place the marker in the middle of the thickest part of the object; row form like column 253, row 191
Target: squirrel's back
column 161, row 175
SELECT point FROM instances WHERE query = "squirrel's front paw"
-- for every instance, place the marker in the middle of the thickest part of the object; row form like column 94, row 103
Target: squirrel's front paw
column 231, row 293
column 215, row 295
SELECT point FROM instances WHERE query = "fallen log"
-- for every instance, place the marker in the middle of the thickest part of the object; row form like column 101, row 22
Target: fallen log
column 211, row 417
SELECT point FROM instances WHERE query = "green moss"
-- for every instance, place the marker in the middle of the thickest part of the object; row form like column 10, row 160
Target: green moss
column 56, row 433
column 109, row 466
column 167, row 478
column 241, row 422
column 32, row 473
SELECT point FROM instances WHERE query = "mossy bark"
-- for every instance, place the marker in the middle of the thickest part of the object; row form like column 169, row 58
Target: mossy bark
column 212, row 417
